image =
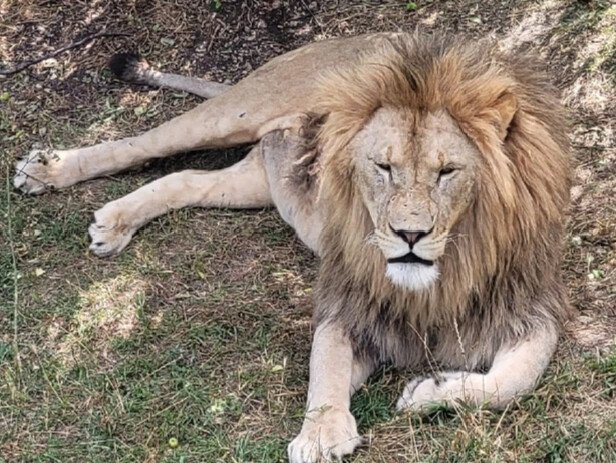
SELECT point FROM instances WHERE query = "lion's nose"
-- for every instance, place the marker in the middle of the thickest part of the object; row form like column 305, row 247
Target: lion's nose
column 411, row 236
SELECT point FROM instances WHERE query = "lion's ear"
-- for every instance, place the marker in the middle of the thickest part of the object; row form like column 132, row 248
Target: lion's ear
column 506, row 106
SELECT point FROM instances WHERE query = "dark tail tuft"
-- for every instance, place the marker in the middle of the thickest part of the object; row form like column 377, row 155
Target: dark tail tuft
column 129, row 67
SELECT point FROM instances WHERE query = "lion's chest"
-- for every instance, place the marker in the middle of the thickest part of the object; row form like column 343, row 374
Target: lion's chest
column 408, row 339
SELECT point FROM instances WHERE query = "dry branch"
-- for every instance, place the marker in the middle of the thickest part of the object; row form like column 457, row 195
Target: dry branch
column 55, row 53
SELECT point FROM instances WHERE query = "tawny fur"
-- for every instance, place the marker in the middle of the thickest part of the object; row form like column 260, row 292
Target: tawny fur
column 501, row 270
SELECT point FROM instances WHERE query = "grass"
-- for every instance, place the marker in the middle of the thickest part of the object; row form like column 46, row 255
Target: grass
column 200, row 331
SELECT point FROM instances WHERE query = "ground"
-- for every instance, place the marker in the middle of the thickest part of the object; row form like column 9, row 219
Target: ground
column 200, row 331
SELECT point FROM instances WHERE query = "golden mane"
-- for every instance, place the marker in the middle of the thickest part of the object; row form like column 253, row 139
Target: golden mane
column 506, row 249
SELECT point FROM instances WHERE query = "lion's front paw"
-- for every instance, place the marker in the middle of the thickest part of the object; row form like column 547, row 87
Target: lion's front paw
column 109, row 233
column 423, row 394
column 450, row 388
column 419, row 395
column 331, row 435
column 39, row 171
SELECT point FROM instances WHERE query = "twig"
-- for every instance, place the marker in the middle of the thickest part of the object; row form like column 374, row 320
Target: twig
column 311, row 13
column 53, row 54
column 9, row 221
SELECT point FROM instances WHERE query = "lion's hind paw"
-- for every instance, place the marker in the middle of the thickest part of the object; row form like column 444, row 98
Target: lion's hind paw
column 37, row 172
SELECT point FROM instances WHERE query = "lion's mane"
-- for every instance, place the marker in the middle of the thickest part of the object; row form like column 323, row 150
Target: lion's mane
column 500, row 275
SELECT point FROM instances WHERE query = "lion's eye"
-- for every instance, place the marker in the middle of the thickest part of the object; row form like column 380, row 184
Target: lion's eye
column 446, row 171
column 384, row 167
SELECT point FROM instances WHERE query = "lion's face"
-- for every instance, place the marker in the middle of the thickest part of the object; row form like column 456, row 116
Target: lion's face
column 416, row 174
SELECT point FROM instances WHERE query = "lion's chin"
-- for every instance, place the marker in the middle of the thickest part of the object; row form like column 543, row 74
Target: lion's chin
column 413, row 277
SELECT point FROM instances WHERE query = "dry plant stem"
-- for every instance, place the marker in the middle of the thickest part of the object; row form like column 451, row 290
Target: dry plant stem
column 55, row 53
column 9, row 222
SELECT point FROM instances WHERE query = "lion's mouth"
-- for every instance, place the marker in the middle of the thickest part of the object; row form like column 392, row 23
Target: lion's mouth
column 410, row 258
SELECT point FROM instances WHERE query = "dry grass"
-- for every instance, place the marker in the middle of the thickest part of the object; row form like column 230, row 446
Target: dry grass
column 201, row 329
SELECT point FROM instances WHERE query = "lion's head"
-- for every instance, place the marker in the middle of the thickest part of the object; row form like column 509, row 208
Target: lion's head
column 445, row 175
column 417, row 175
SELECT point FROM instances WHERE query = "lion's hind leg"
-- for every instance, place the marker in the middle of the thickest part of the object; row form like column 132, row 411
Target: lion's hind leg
column 516, row 370
column 243, row 186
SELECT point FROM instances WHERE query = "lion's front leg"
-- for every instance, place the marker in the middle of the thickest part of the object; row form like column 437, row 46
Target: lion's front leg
column 515, row 371
column 329, row 429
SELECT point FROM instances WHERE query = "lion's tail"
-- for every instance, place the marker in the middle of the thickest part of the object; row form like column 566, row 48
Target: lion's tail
column 130, row 67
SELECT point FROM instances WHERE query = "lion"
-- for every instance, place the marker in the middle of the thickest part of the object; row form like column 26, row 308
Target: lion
column 430, row 175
